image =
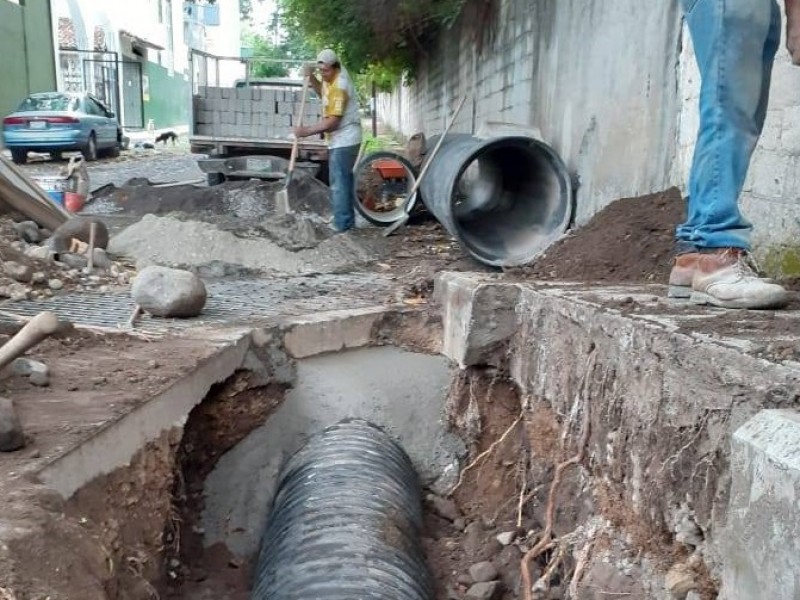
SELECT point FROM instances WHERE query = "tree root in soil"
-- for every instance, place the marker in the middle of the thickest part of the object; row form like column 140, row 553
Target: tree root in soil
column 546, row 541
column 487, row 452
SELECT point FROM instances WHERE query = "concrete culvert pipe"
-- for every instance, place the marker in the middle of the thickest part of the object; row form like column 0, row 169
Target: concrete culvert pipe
column 505, row 199
column 345, row 522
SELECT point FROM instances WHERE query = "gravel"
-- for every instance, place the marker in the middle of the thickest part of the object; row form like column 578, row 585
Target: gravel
column 172, row 242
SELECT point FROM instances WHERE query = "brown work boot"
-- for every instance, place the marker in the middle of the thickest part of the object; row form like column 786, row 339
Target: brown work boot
column 682, row 273
column 726, row 278
column 680, row 278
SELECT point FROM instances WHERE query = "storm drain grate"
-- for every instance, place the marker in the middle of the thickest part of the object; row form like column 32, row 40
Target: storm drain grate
column 229, row 302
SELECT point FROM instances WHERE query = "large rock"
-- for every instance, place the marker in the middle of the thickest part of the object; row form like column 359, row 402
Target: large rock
column 28, row 231
column 11, row 435
column 165, row 292
column 484, row 591
column 18, row 271
column 78, row 228
column 483, row 572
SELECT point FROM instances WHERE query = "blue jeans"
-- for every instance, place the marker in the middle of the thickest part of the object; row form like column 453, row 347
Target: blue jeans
column 340, row 172
column 735, row 42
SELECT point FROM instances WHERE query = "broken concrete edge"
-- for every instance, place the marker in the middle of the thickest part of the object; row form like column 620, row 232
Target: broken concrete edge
column 762, row 535
column 115, row 444
column 269, row 351
column 479, row 316
column 338, row 330
column 664, row 402
column 331, row 331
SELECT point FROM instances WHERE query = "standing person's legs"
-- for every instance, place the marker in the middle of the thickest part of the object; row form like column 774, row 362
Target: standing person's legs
column 340, row 166
column 735, row 42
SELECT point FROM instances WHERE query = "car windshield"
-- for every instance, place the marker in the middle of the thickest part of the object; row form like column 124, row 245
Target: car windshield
column 49, row 103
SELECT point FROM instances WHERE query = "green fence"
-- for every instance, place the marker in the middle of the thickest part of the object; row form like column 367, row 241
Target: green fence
column 166, row 97
column 26, row 47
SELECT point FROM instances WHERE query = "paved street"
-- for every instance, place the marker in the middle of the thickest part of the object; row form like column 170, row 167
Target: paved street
column 159, row 166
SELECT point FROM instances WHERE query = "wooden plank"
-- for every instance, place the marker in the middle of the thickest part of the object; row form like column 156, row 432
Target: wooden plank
column 9, row 169
column 22, row 195
column 25, row 204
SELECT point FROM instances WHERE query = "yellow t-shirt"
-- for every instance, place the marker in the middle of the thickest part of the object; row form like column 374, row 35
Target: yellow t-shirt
column 339, row 100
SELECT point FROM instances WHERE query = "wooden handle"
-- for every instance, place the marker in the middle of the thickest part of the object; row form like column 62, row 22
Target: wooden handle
column 90, row 258
column 38, row 328
column 300, row 115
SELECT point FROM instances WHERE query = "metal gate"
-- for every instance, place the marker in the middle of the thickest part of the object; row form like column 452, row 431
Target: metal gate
column 100, row 77
column 132, row 95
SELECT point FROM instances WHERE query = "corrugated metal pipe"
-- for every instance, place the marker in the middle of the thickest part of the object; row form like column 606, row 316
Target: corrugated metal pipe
column 345, row 522
column 505, row 199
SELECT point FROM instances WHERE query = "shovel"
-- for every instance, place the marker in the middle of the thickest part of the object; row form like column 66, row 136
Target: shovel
column 412, row 196
column 282, row 196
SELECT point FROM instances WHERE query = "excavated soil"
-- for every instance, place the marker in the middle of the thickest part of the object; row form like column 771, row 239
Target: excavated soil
column 245, row 200
column 230, row 412
column 23, row 276
column 144, row 517
column 631, row 240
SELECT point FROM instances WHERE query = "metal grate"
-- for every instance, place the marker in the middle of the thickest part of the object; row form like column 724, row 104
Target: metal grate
column 229, row 302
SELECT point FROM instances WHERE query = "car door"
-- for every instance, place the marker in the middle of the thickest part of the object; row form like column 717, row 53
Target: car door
column 105, row 127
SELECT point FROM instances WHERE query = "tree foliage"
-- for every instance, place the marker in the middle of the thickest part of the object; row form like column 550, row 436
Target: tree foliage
column 383, row 35
column 277, row 42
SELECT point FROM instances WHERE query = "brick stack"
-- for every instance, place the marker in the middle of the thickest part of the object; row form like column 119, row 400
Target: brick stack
column 261, row 113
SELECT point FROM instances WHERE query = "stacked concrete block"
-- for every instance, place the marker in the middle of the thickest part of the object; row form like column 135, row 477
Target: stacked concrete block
column 263, row 113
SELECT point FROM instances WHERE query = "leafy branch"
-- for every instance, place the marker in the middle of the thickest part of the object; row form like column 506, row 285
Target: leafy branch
column 382, row 38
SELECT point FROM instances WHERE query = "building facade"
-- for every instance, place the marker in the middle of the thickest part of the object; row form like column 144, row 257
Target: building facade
column 26, row 45
column 135, row 56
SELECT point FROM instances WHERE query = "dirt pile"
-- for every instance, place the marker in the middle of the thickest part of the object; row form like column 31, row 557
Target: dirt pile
column 30, row 270
column 245, row 201
column 631, row 240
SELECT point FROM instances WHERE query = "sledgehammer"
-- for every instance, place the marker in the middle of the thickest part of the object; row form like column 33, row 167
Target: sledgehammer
column 38, row 328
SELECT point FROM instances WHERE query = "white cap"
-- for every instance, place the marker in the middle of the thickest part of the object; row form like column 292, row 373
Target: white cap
column 327, row 57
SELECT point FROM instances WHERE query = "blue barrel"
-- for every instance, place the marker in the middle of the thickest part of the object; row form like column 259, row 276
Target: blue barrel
column 345, row 522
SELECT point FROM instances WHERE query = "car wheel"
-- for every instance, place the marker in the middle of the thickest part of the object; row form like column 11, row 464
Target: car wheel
column 19, row 156
column 90, row 150
column 57, row 156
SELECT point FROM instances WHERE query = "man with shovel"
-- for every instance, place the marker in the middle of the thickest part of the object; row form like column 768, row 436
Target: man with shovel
column 341, row 124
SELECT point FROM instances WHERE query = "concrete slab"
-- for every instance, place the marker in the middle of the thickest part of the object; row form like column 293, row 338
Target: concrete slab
column 113, row 443
column 331, row 331
column 108, row 396
column 762, row 538
column 478, row 317
column 402, row 391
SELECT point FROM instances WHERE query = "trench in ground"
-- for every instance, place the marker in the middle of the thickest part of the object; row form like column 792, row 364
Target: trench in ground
column 184, row 518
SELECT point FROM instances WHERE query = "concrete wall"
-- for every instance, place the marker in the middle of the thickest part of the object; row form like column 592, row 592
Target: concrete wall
column 613, row 86
column 762, row 539
column 664, row 402
column 598, row 79
column 26, row 47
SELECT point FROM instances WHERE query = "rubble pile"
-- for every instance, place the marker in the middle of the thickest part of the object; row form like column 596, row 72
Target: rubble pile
column 302, row 248
column 31, row 269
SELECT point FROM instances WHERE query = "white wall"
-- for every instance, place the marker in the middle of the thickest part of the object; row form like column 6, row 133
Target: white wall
column 598, row 80
column 226, row 40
